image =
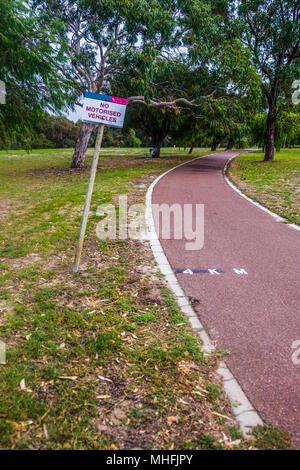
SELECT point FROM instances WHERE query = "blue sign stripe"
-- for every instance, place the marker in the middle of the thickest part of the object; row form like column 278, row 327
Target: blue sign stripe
column 96, row 96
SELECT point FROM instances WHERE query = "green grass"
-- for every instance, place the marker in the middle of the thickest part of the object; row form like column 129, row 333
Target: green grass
column 106, row 355
column 275, row 185
column 45, row 198
column 93, row 324
column 271, row 438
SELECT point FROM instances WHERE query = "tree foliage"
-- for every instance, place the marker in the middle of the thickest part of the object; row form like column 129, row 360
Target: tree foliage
column 100, row 39
column 160, row 53
column 271, row 30
column 28, row 64
column 191, row 69
column 287, row 129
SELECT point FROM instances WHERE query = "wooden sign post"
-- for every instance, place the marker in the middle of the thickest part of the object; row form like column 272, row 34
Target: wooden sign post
column 109, row 111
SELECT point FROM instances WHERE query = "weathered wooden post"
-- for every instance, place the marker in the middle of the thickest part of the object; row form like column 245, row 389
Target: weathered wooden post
column 109, row 111
column 88, row 197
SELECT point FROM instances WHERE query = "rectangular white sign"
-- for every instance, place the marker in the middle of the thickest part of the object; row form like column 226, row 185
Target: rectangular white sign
column 104, row 109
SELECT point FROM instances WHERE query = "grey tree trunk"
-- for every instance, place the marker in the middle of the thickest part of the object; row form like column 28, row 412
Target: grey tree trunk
column 214, row 145
column 78, row 160
column 158, row 140
column 271, row 120
column 192, row 148
column 270, row 136
column 157, row 153
column 230, row 144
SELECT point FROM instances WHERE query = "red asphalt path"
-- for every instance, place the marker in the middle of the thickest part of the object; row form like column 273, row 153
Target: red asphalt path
column 255, row 316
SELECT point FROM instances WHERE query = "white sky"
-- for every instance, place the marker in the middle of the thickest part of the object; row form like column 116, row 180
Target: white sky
column 74, row 115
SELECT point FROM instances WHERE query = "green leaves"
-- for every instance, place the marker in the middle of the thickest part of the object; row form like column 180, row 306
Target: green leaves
column 210, row 53
column 28, row 65
column 271, row 30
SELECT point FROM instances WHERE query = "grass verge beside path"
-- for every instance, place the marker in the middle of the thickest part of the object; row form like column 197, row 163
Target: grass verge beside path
column 275, row 185
column 103, row 359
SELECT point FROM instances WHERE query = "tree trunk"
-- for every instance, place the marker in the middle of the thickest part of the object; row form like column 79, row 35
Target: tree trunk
column 214, row 145
column 192, row 148
column 157, row 153
column 158, row 140
column 270, row 134
column 230, row 144
column 78, row 160
column 271, row 119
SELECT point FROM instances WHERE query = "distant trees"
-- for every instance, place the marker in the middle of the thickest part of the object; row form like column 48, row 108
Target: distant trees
column 60, row 132
column 47, row 132
column 287, row 129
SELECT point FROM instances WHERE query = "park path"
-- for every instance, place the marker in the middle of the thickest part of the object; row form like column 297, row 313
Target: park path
column 255, row 316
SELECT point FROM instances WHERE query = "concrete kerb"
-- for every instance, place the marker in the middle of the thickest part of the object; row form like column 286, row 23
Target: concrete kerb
column 245, row 414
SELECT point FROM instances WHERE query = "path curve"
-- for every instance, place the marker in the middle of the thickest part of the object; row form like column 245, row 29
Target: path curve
column 252, row 308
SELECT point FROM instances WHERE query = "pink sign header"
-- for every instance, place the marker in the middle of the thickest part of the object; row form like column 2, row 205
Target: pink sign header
column 114, row 99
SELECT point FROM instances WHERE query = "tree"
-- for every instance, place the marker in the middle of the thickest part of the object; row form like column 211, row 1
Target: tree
column 130, row 139
column 108, row 42
column 258, row 129
column 271, row 31
column 28, row 65
column 153, row 122
column 224, row 75
column 287, row 128
column 104, row 38
column 132, row 48
column 228, row 78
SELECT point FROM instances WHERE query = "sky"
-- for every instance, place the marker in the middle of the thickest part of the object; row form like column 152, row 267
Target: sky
column 74, row 115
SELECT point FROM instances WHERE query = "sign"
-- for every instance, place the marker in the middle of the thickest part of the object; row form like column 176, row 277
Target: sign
column 104, row 109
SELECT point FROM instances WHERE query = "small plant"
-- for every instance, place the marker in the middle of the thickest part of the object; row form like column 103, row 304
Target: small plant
column 136, row 417
column 207, row 442
column 271, row 438
column 214, row 392
column 145, row 318
column 234, row 432
column 107, row 342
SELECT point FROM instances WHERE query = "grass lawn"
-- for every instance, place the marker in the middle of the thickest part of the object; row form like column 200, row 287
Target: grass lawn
column 103, row 359
column 275, row 185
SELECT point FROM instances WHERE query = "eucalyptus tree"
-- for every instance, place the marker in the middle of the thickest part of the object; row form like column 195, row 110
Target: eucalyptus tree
column 220, row 85
column 106, row 38
column 164, row 54
column 113, row 43
column 271, row 29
